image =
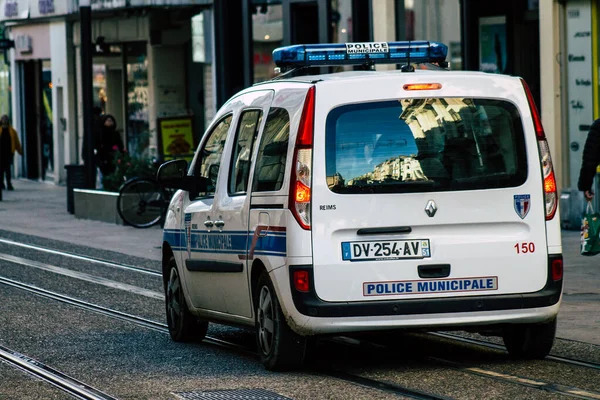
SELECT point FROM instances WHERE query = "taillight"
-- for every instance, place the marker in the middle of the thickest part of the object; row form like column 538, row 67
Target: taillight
column 300, row 183
column 550, row 192
column 301, row 282
column 557, row 268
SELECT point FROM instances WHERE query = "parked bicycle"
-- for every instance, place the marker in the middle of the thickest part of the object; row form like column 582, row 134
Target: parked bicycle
column 143, row 202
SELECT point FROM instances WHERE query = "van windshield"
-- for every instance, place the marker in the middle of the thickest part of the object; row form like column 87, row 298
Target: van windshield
column 425, row 145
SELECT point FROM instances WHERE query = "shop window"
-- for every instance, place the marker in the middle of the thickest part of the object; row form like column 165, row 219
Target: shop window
column 267, row 35
column 46, row 126
column 341, row 21
column 138, row 127
column 437, row 20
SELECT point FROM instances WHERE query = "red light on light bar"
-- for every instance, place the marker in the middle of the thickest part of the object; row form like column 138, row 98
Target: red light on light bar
column 422, row 86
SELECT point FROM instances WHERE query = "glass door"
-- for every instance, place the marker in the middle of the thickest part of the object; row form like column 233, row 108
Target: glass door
column 138, row 127
column 46, row 123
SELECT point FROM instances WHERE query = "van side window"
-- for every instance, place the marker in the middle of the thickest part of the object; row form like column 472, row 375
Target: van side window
column 242, row 151
column 210, row 155
column 272, row 153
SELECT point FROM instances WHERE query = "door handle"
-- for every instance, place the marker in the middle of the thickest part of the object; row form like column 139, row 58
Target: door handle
column 209, row 224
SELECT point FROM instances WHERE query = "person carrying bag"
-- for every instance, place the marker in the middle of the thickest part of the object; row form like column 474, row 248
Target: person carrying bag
column 590, row 231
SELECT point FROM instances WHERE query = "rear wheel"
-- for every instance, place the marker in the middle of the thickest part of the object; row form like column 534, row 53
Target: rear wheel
column 279, row 347
column 141, row 202
column 183, row 326
column 530, row 341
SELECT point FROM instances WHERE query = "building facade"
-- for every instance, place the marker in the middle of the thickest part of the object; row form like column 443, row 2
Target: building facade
column 159, row 60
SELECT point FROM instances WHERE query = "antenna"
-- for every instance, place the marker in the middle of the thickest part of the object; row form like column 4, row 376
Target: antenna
column 407, row 67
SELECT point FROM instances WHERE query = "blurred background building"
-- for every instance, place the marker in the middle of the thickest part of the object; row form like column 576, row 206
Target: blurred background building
column 158, row 60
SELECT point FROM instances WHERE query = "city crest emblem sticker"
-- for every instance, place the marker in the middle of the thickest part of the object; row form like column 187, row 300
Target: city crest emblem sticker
column 522, row 204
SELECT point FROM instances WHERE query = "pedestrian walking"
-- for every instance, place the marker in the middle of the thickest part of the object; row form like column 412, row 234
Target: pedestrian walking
column 590, row 161
column 109, row 144
column 9, row 143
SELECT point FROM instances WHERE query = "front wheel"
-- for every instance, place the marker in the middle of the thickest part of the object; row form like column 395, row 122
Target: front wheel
column 183, row 326
column 141, row 202
column 530, row 341
column 279, row 347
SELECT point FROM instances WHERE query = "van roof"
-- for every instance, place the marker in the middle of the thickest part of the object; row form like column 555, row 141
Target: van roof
column 352, row 75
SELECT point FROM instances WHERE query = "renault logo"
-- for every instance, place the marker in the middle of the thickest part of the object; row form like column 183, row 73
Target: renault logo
column 431, row 208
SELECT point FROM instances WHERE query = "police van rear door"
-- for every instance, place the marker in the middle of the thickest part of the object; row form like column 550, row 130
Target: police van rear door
column 426, row 191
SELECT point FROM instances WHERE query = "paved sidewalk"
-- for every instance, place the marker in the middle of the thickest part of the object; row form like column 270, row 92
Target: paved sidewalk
column 40, row 209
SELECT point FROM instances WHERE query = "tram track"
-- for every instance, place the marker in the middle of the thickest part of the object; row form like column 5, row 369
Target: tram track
column 549, row 387
column 334, row 373
column 490, row 345
column 341, row 375
column 163, row 328
column 48, row 374
column 445, row 335
column 81, row 257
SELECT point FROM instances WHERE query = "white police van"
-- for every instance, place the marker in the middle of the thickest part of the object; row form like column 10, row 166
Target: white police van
column 367, row 200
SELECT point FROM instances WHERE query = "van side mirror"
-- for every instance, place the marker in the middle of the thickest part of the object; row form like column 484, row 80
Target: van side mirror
column 173, row 175
column 171, row 172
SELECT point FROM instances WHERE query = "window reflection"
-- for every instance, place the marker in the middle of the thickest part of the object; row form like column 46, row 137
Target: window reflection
column 424, row 145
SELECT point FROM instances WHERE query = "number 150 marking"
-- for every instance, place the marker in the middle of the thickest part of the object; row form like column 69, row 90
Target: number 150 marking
column 525, row 247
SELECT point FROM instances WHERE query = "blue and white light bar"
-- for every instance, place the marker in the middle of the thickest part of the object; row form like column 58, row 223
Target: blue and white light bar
column 306, row 55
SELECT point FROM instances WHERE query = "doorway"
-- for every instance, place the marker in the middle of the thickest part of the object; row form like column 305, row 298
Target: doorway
column 121, row 90
column 37, row 120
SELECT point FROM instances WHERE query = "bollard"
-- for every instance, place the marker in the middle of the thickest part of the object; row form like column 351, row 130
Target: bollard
column 75, row 180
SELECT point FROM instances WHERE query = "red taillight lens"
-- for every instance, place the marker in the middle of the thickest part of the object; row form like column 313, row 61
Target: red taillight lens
column 550, row 193
column 557, row 269
column 300, row 183
column 307, row 121
column 301, row 282
column 537, row 121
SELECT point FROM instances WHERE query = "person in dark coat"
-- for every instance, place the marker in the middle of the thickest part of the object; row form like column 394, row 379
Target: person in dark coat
column 590, row 161
column 98, row 118
column 9, row 143
column 110, row 142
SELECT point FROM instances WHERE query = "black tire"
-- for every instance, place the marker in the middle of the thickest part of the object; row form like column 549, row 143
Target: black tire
column 530, row 341
column 141, row 202
column 279, row 347
column 183, row 326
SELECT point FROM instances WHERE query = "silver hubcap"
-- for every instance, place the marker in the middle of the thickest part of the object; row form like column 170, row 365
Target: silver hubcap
column 173, row 298
column 266, row 316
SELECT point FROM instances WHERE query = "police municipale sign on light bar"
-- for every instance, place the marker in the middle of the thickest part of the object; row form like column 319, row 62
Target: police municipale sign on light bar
column 368, row 47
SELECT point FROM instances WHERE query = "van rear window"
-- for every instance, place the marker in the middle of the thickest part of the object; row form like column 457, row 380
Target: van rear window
column 425, row 145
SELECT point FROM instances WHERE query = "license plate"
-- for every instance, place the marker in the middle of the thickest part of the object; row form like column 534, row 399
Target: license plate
column 385, row 250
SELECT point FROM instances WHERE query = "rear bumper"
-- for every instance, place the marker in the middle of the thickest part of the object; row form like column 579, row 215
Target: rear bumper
column 308, row 314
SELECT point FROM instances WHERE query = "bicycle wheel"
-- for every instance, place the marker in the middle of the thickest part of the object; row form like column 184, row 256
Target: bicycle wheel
column 141, row 202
